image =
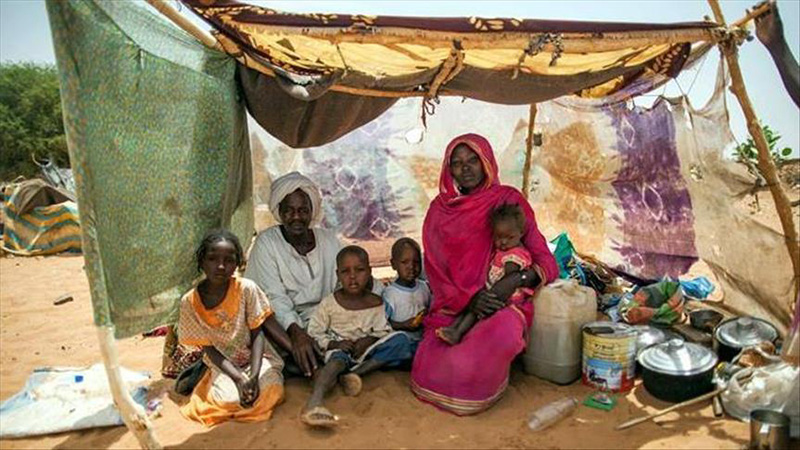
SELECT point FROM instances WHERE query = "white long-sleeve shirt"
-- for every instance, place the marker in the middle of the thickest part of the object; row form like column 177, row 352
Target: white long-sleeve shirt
column 294, row 284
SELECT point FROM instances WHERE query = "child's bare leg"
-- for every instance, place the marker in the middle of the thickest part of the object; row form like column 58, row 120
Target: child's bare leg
column 315, row 412
column 453, row 334
column 368, row 366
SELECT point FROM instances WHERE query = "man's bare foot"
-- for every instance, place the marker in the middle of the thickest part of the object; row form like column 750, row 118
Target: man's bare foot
column 351, row 384
column 319, row 416
column 448, row 335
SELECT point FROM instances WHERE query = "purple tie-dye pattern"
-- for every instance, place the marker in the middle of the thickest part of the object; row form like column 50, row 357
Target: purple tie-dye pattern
column 360, row 203
column 658, row 223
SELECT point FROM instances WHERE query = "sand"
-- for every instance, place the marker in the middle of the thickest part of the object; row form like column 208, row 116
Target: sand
column 36, row 333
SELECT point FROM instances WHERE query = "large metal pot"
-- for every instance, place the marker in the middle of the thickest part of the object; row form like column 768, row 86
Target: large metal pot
column 676, row 370
column 647, row 335
column 732, row 335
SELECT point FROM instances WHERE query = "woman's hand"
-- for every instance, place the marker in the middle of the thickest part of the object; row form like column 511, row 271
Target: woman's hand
column 303, row 350
column 485, row 303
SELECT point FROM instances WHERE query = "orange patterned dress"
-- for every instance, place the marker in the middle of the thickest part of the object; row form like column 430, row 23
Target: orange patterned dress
column 227, row 327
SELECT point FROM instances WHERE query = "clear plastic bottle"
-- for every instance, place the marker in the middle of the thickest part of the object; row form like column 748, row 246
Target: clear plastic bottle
column 551, row 413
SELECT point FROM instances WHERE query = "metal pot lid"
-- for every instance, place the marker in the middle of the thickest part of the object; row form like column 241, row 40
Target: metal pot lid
column 745, row 331
column 609, row 329
column 648, row 335
column 677, row 357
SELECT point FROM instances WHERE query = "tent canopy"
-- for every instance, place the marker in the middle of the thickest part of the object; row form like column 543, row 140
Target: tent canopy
column 323, row 75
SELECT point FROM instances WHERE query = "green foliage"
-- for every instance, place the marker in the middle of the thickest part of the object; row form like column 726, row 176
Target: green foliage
column 747, row 152
column 30, row 119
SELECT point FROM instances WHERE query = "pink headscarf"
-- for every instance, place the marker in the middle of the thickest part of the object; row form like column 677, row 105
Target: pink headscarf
column 457, row 235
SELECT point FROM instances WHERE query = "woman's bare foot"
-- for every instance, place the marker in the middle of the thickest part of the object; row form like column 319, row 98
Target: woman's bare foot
column 351, row 384
column 449, row 335
column 319, row 416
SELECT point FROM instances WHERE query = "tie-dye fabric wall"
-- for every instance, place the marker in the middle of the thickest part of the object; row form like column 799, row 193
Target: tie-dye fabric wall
column 645, row 190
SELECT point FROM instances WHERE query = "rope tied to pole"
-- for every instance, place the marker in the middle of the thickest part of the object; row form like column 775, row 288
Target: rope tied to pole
column 449, row 69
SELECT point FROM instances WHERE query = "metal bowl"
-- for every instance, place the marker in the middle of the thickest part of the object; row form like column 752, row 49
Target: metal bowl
column 705, row 319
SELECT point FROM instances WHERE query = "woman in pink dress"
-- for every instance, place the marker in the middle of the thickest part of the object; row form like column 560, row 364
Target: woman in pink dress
column 471, row 376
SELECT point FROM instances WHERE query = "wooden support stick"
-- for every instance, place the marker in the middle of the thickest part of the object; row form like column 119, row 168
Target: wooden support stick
column 752, row 15
column 526, row 167
column 583, row 42
column 132, row 414
column 167, row 10
column 765, row 164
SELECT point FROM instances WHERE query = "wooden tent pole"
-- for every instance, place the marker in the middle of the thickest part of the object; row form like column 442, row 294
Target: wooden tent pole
column 178, row 19
column 765, row 164
column 752, row 15
column 526, row 167
column 132, row 414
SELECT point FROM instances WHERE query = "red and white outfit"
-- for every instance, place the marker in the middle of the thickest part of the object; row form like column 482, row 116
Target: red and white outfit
column 517, row 255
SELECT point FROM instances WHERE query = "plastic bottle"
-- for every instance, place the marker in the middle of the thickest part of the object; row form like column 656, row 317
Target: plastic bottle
column 551, row 413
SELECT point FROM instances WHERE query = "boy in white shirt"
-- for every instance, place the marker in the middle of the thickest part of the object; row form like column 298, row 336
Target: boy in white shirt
column 407, row 298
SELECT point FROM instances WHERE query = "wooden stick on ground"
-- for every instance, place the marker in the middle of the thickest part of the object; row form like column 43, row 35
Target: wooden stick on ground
column 132, row 414
column 526, row 167
column 765, row 164
column 680, row 405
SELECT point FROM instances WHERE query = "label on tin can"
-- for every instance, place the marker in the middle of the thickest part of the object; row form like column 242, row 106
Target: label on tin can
column 609, row 356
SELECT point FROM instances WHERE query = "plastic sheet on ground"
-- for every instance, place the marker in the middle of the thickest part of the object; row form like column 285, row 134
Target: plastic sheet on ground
column 58, row 399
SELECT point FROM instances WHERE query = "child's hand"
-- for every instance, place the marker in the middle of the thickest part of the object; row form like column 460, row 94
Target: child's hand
column 345, row 346
column 252, row 391
column 246, row 398
column 416, row 322
column 362, row 345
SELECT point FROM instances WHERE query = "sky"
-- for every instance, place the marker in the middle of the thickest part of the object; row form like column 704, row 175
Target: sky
column 25, row 36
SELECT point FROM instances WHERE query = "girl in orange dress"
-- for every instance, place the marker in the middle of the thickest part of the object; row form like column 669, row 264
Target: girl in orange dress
column 225, row 316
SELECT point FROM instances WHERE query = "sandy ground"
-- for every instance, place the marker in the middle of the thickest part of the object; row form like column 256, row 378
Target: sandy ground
column 35, row 333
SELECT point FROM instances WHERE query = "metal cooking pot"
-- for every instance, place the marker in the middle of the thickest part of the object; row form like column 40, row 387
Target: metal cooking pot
column 769, row 430
column 676, row 370
column 705, row 319
column 732, row 335
column 647, row 335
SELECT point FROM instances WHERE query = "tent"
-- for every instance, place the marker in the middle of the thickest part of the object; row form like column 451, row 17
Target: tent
column 158, row 139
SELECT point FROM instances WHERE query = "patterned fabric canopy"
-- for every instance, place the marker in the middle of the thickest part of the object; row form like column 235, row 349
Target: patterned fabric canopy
column 313, row 57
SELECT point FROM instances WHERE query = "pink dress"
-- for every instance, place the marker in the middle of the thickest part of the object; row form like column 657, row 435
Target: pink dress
column 457, row 236
column 519, row 256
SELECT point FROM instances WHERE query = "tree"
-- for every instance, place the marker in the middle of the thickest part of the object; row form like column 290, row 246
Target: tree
column 30, row 119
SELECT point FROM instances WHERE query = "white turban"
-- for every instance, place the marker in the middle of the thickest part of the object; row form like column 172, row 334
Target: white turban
column 289, row 183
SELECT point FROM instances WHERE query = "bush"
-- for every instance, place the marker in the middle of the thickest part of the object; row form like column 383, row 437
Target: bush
column 30, row 119
column 747, row 153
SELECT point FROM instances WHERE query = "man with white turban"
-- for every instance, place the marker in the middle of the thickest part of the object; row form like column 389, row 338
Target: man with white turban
column 294, row 262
